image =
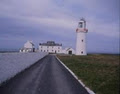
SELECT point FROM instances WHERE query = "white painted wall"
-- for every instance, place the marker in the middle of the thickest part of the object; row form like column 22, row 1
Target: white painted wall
column 13, row 63
column 81, row 43
column 28, row 44
column 50, row 49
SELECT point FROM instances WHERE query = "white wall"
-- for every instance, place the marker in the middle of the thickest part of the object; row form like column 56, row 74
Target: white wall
column 13, row 63
column 28, row 45
column 50, row 49
column 81, row 43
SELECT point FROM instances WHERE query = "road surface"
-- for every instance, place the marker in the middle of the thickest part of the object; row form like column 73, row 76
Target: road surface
column 47, row 76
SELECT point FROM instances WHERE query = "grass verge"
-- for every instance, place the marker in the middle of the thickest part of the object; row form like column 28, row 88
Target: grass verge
column 99, row 72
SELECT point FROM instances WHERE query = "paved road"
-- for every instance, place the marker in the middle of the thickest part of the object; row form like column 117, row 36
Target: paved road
column 47, row 76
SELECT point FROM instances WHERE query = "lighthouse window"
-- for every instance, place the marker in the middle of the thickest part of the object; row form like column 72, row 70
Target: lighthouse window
column 80, row 25
column 82, row 52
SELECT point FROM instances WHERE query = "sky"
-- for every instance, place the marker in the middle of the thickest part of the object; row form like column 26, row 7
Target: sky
column 57, row 20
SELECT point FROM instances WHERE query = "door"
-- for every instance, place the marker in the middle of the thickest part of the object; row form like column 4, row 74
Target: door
column 70, row 52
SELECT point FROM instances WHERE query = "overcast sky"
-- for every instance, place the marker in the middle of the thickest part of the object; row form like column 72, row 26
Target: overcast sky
column 42, row 20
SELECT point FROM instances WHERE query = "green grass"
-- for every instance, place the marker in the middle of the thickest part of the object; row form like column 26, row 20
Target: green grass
column 99, row 72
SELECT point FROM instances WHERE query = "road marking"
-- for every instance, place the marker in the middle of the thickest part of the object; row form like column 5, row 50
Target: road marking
column 88, row 90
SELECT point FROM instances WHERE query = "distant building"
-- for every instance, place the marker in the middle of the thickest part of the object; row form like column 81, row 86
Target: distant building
column 69, row 51
column 50, row 47
column 28, row 47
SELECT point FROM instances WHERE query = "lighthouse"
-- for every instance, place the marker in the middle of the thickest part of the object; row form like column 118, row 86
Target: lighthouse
column 81, row 38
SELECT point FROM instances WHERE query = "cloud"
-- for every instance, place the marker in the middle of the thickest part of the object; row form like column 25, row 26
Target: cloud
column 51, row 18
column 49, row 14
column 103, row 28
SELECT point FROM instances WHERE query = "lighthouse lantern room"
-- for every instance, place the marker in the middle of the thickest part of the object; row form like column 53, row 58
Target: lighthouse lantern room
column 81, row 38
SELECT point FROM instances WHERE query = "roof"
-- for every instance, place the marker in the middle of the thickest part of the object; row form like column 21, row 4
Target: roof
column 67, row 49
column 82, row 19
column 50, row 43
column 30, row 42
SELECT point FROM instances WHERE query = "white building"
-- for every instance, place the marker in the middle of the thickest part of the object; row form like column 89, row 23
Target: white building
column 81, row 38
column 68, row 51
column 28, row 47
column 50, row 47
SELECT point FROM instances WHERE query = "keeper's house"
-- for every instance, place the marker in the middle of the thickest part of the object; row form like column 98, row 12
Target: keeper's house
column 50, row 47
column 28, row 47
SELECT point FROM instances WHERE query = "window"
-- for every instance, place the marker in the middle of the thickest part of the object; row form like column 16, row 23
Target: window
column 44, row 50
column 58, row 50
column 41, row 50
column 47, row 46
column 80, row 24
column 82, row 52
column 58, row 47
column 52, row 50
column 47, row 50
column 41, row 46
column 82, row 40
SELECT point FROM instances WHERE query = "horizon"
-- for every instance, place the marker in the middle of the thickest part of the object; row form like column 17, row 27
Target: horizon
column 41, row 21
column 17, row 50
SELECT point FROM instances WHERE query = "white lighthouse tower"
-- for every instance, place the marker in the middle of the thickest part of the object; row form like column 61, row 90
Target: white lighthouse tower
column 81, row 38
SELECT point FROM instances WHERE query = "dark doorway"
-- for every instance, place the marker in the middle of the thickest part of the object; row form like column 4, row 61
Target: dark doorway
column 82, row 52
column 33, row 49
column 70, row 52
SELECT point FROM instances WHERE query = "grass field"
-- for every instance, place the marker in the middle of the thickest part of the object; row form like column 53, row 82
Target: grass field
column 99, row 72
